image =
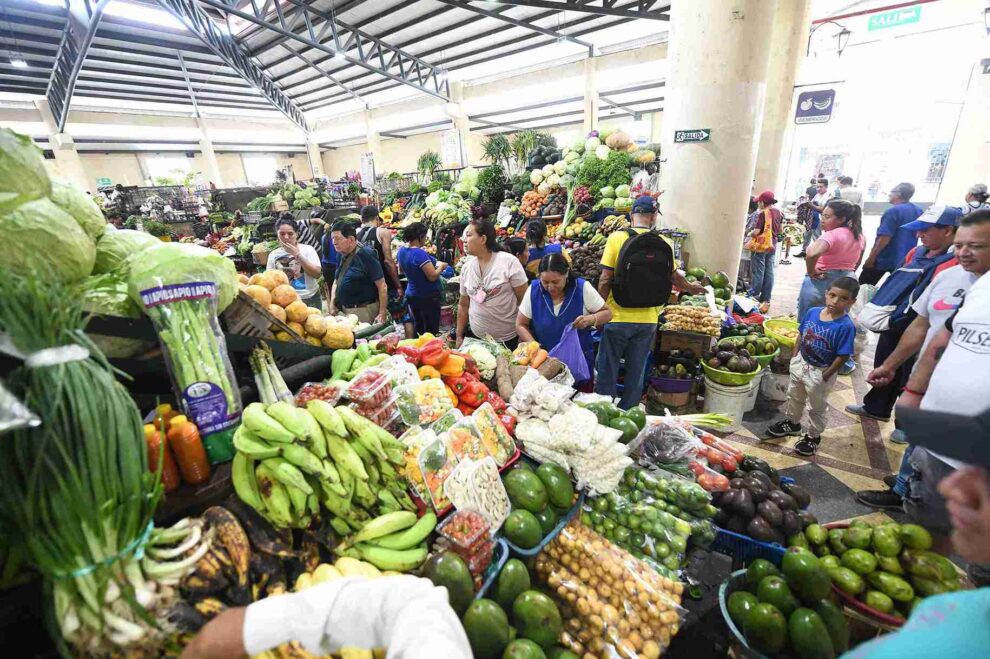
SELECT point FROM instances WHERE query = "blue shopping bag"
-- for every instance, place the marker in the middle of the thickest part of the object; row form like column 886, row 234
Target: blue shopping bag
column 570, row 352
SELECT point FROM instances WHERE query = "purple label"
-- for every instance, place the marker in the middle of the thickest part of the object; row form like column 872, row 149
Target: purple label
column 196, row 290
column 207, row 407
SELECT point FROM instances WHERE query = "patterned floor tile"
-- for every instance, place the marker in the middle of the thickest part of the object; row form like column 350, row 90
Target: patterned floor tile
column 831, row 498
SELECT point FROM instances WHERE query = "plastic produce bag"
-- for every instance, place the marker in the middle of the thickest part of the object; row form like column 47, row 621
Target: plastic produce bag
column 422, row 403
column 664, row 442
column 611, row 603
column 14, row 414
column 464, row 441
column 568, row 350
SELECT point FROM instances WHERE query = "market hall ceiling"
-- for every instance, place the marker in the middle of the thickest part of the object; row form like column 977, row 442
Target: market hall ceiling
column 292, row 55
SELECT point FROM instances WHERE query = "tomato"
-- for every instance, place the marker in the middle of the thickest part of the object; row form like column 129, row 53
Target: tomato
column 707, row 439
column 729, row 465
column 720, row 483
column 696, row 468
column 715, row 456
column 706, row 481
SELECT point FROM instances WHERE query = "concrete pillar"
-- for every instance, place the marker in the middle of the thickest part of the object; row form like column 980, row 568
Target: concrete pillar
column 69, row 163
column 212, row 172
column 969, row 158
column 787, row 46
column 656, row 126
column 717, row 82
column 315, row 158
column 455, row 110
column 590, row 94
column 374, row 144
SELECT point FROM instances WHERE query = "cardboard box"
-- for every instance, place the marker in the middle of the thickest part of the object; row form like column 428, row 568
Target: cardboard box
column 678, row 340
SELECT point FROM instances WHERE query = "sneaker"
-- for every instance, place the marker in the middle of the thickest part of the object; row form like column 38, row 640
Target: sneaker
column 890, row 480
column 859, row 410
column 807, row 446
column 799, row 255
column 784, row 428
column 764, row 308
column 883, row 499
column 898, row 436
column 847, row 368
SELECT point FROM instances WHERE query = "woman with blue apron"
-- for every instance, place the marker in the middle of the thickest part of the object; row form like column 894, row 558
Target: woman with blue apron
column 557, row 299
column 536, row 237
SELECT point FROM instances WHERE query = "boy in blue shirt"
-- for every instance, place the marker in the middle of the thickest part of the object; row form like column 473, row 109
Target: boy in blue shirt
column 825, row 340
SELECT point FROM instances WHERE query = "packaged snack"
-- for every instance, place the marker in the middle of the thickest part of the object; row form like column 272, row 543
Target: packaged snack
column 464, row 440
column 370, row 387
column 446, row 422
column 457, row 485
column 424, row 402
column 493, row 434
column 487, row 493
column 318, row 391
column 436, row 464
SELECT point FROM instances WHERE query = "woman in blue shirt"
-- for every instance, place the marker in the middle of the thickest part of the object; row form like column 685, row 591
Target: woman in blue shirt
column 536, row 236
column 422, row 272
column 557, row 299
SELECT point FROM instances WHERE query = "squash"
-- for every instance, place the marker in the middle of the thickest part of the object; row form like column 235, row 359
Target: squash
column 284, row 295
column 277, row 311
column 278, row 276
column 260, row 294
column 313, row 341
column 283, row 336
column 618, row 140
column 242, row 278
column 296, row 312
column 315, row 325
column 297, row 328
column 338, row 337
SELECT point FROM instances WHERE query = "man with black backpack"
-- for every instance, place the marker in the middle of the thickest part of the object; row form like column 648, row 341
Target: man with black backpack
column 638, row 272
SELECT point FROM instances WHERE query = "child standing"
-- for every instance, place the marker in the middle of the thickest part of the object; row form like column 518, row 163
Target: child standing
column 825, row 340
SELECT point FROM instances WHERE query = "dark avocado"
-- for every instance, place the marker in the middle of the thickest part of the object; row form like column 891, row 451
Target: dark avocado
column 758, row 529
column 783, row 500
column 774, row 476
column 756, row 488
column 769, row 511
column 736, row 483
column 763, row 478
column 742, row 504
column 737, row 524
column 800, row 494
column 807, row 519
column 791, row 523
column 752, row 463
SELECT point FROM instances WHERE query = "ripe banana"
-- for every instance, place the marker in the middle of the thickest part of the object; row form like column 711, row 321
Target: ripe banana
column 327, row 416
column 411, row 537
column 325, row 572
column 275, row 496
column 299, row 504
column 252, row 445
column 353, row 567
column 287, row 473
column 304, row 581
column 385, row 525
column 231, row 535
column 257, row 421
column 245, row 484
column 400, row 560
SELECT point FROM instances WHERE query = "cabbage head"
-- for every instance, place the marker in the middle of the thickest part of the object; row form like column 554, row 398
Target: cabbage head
column 46, row 240
column 80, row 206
column 22, row 170
column 114, row 247
column 107, row 295
column 181, row 263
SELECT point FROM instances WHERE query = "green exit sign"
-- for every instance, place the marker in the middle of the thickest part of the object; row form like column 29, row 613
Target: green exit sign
column 103, row 182
column 895, row 18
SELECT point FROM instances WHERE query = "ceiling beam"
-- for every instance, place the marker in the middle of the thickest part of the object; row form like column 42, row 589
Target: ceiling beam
column 620, row 106
column 642, row 8
column 235, row 55
column 82, row 22
column 526, row 25
column 370, row 53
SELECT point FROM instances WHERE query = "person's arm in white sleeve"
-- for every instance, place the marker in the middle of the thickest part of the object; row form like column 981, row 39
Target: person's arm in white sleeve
column 407, row 615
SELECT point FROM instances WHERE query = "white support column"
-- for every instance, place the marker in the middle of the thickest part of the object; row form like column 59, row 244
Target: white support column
column 590, row 94
column 67, row 158
column 374, row 143
column 969, row 159
column 315, row 158
column 455, row 109
column 787, row 43
column 209, row 155
column 717, row 83
column 656, row 126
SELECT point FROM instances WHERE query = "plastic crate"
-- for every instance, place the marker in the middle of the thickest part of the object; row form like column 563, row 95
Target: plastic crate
column 499, row 557
column 671, row 385
column 549, row 536
column 744, row 549
column 735, row 581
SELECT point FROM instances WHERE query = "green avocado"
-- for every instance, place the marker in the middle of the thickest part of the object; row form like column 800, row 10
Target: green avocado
column 774, row 590
column 557, row 652
column 627, row 426
column 512, row 581
column 548, row 519
column 523, row 648
column 804, row 574
column 835, row 621
column 878, row 601
column 740, row 603
column 829, row 561
column 449, row 570
column 846, row 580
column 536, row 617
column 859, row 561
column 766, row 628
column 487, row 629
column 522, row 529
column 560, row 491
column 809, row 635
column 526, row 491
column 637, row 415
column 600, row 412
column 759, row 569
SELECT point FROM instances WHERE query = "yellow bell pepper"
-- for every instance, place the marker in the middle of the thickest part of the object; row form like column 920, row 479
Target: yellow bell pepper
column 453, row 366
column 429, row 373
column 453, row 397
column 423, row 339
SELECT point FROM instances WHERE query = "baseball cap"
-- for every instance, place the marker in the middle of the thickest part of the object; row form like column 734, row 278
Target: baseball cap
column 644, row 204
column 965, row 438
column 767, row 197
column 946, row 216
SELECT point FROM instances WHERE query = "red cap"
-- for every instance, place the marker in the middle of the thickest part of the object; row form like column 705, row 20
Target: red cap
column 767, row 198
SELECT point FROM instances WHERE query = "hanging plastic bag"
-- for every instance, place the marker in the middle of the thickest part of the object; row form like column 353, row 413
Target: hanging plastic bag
column 569, row 351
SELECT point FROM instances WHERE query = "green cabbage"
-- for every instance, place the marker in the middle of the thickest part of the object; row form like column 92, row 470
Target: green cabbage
column 45, row 240
column 80, row 206
column 107, row 295
column 22, row 170
column 181, row 263
column 114, row 247
column 622, row 191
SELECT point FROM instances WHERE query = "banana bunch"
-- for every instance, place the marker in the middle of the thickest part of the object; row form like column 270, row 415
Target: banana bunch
column 613, row 223
column 394, row 542
column 295, row 650
column 345, row 566
column 289, row 460
column 598, row 239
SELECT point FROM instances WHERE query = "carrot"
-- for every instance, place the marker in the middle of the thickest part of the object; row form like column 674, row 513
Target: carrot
column 540, row 357
column 183, row 439
column 170, row 473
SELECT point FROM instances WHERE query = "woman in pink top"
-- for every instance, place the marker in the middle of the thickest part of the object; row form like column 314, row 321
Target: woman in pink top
column 835, row 254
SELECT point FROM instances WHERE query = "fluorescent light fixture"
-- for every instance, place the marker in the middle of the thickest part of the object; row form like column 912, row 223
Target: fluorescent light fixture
column 19, row 63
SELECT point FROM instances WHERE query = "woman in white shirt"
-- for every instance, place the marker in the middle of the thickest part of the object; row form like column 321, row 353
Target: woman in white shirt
column 298, row 261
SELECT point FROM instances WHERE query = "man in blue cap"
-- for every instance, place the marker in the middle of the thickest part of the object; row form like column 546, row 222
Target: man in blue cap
column 629, row 335
column 892, row 306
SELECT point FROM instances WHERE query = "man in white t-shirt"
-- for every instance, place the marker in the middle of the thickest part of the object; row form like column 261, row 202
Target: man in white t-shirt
column 848, row 192
column 940, row 301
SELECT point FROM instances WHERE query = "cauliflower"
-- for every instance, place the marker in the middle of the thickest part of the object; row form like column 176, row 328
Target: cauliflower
column 602, row 151
column 536, row 177
column 484, row 359
column 543, row 188
column 560, row 167
column 553, row 180
column 547, row 170
column 591, row 144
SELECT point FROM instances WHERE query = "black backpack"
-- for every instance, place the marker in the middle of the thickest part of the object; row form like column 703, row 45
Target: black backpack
column 643, row 271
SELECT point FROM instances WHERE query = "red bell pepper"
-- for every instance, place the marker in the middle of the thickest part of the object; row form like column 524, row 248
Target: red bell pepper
column 434, row 353
column 496, row 401
column 458, row 384
column 474, row 394
column 412, row 355
column 465, row 409
column 509, row 422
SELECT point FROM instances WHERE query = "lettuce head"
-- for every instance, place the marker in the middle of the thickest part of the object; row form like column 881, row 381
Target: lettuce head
column 114, row 247
column 107, row 295
column 46, row 241
column 80, row 206
column 22, row 171
column 163, row 264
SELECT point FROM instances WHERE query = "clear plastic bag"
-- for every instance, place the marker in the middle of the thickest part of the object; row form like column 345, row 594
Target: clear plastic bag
column 424, row 402
column 447, row 421
column 612, row 604
column 494, row 436
column 464, row 440
column 415, row 439
column 662, row 441
column 400, row 372
column 436, row 463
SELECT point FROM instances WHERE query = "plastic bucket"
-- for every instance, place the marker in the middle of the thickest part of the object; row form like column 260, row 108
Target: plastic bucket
column 728, row 400
column 754, row 392
column 774, row 386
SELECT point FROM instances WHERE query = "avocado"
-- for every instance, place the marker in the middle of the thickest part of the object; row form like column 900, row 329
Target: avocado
column 758, row 529
column 809, row 636
column 523, row 648
column 736, row 483
column 859, row 561
column 774, row 476
column 740, row 604
column 791, row 523
column 769, row 511
column 511, row 582
column 798, row 540
column 753, row 463
column 449, row 570
column 800, row 494
column 536, row 617
column 763, row 478
column 835, row 622
column 858, row 537
column 886, row 541
column 766, row 628
column 835, row 540
column 846, row 580
column 889, row 564
column 525, row 490
column 756, row 489
column 560, row 491
column 891, row 585
column 557, row 652
column 877, row 600
column 724, row 356
column 804, row 574
column 737, row 524
column 637, row 415
column 522, row 529
column 783, row 500
column 601, row 413
column 736, row 365
column 548, row 519
column 487, row 629
column 817, row 535
column 829, row 562
column 627, row 426
column 774, row 590
column 742, row 504
column 915, row 537
column 758, row 570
